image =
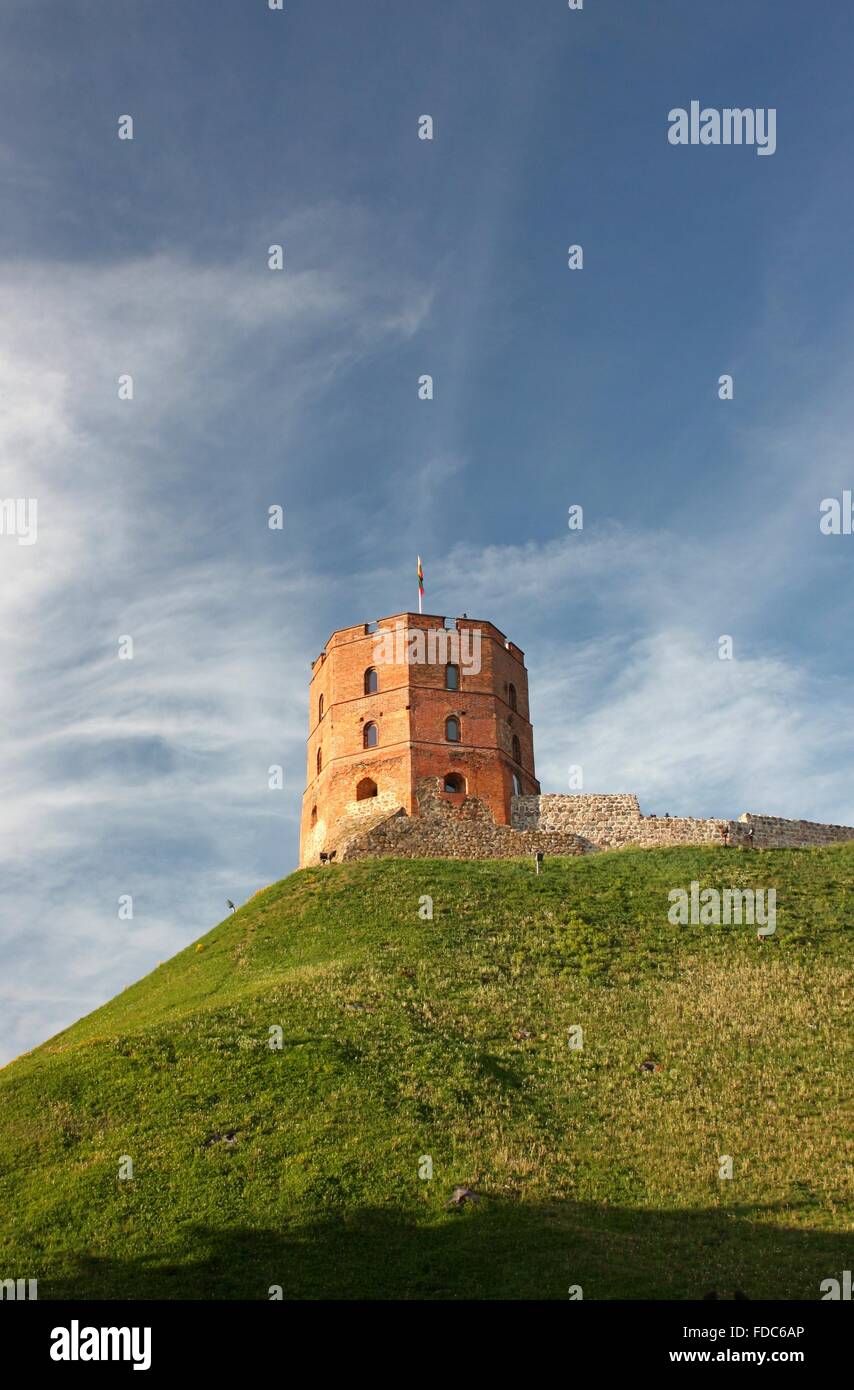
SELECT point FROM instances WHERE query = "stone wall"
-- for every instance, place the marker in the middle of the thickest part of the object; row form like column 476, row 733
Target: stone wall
column 465, row 828
column 772, row 832
column 445, row 831
column 357, row 818
column 607, row 822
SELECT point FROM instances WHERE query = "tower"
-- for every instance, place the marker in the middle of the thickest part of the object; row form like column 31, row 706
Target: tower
column 409, row 697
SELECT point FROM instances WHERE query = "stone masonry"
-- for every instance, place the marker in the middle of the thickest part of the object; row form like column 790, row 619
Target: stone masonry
column 557, row 825
column 607, row 822
column 417, row 749
column 441, row 830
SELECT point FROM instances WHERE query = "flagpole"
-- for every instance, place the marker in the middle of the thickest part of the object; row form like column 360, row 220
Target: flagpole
column 420, row 583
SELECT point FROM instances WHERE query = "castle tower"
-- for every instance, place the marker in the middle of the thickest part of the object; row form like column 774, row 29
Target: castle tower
column 409, row 697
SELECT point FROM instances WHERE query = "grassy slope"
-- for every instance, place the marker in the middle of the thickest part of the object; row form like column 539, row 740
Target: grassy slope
column 405, row 1037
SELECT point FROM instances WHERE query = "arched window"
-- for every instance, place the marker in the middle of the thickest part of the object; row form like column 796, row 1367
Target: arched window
column 314, row 815
column 454, row 782
column 517, row 785
column 366, row 789
column 320, row 708
column 369, row 736
column 452, row 729
column 371, row 681
column 320, row 759
column 452, row 677
column 511, row 697
column 517, row 749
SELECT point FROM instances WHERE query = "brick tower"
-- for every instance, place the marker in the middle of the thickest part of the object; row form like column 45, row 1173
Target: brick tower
column 409, row 697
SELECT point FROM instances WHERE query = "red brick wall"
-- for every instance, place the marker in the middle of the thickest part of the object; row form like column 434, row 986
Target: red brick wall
column 409, row 710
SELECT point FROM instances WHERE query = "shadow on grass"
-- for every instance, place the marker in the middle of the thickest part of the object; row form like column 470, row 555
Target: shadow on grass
column 498, row 1250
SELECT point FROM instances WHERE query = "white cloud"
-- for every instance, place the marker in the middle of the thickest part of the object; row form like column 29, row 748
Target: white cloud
column 662, row 716
column 150, row 776
column 636, row 692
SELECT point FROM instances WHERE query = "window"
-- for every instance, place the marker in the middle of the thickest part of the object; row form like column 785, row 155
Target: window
column 314, row 815
column 365, row 789
column 511, row 697
column 320, row 759
column 369, row 736
column 452, row 677
column 454, row 782
column 517, row 749
column 452, row 729
column 320, row 708
column 517, row 785
column 371, row 682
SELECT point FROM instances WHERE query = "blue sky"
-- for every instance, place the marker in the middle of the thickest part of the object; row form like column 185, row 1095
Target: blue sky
column 552, row 388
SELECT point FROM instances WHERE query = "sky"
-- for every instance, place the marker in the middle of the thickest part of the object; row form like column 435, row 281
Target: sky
column 595, row 387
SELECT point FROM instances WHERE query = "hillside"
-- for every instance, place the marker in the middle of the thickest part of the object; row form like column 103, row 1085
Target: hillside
column 405, row 1037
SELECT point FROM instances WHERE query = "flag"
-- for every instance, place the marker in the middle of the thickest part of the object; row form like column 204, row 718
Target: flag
column 420, row 579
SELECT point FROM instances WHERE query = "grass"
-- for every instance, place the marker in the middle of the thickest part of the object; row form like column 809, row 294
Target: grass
column 404, row 1038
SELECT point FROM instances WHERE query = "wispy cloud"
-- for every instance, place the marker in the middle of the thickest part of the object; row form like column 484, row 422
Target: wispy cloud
column 149, row 776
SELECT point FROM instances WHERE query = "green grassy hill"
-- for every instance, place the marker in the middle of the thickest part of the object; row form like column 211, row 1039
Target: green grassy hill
column 405, row 1038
